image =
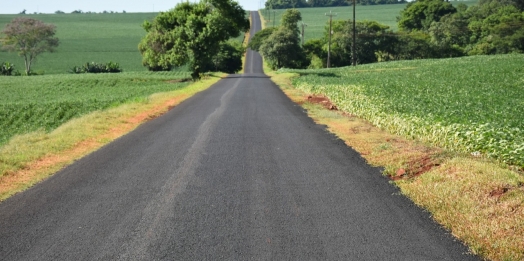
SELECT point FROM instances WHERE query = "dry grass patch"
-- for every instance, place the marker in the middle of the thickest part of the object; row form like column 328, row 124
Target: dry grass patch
column 28, row 159
column 478, row 200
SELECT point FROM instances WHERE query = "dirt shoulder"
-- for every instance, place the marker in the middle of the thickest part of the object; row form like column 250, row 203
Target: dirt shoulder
column 29, row 159
column 481, row 202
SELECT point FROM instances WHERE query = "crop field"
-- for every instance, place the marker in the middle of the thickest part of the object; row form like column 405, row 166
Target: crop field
column 471, row 104
column 316, row 19
column 85, row 38
column 45, row 102
column 88, row 38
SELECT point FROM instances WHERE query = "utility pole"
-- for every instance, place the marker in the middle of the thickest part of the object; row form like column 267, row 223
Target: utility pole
column 303, row 26
column 330, row 33
column 353, row 46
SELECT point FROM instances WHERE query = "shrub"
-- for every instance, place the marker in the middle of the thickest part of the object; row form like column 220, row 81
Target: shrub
column 93, row 67
column 7, row 69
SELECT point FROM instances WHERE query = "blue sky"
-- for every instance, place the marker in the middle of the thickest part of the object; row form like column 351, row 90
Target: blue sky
column 50, row 6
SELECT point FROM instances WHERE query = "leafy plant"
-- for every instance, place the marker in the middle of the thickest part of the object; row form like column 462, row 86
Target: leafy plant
column 7, row 69
column 93, row 67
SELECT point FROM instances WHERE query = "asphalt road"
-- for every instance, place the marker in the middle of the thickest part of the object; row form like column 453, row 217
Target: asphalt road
column 238, row 172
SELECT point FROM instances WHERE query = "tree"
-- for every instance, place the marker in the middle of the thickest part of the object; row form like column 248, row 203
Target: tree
column 29, row 37
column 258, row 39
column 451, row 34
column 191, row 34
column 282, row 49
column 372, row 37
column 290, row 19
column 228, row 59
column 418, row 15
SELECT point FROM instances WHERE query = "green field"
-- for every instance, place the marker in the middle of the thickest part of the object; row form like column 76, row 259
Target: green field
column 316, row 19
column 88, row 38
column 45, row 102
column 471, row 104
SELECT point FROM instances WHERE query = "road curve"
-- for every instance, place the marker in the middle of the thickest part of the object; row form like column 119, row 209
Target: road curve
column 237, row 172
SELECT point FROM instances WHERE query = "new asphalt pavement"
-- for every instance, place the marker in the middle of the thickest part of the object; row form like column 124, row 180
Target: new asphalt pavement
column 237, row 172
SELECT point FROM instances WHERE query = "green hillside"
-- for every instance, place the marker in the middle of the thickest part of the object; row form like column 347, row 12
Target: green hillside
column 316, row 18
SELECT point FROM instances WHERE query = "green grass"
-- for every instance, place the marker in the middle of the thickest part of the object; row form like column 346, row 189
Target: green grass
column 471, row 104
column 88, row 38
column 45, row 102
column 316, row 18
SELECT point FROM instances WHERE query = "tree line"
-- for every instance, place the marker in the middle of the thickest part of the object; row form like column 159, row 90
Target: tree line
column 286, row 4
column 427, row 29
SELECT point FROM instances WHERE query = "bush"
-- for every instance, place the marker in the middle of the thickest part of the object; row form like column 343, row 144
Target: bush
column 93, row 67
column 7, row 69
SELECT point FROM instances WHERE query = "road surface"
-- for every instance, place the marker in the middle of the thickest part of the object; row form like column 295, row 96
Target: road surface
column 237, row 172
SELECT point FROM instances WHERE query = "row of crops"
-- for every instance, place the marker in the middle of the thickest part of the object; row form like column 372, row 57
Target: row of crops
column 471, row 104
column 43, row 103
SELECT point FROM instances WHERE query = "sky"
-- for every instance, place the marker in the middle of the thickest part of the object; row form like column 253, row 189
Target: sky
column 50, row 6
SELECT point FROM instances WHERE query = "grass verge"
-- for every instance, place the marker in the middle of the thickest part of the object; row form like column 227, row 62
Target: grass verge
column 479, row 201
column 28, row 159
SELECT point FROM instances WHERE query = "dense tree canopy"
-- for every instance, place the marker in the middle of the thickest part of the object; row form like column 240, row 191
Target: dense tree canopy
column 29, row 38
column 419, row 14
column 258, row 39
column 282, row 48
column 191, row 34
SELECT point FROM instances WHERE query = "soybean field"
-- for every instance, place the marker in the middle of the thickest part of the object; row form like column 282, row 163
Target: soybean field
column 45, row 102
column 471, row 104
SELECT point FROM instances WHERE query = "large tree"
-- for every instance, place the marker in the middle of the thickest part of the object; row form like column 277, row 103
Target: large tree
column 282, row 48
column 191, row 34
column 290, row 19
column 29, row 38
column 258, row 39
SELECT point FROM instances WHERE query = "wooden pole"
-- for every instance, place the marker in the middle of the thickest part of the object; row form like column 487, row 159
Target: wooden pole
column 330, row 33
column 353, row 46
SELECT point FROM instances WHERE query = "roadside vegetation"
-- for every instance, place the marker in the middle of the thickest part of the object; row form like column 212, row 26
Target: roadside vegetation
column 479, row 199
column 28, row 158
column 45, row 102
column 56, row 115
column 469, row 105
